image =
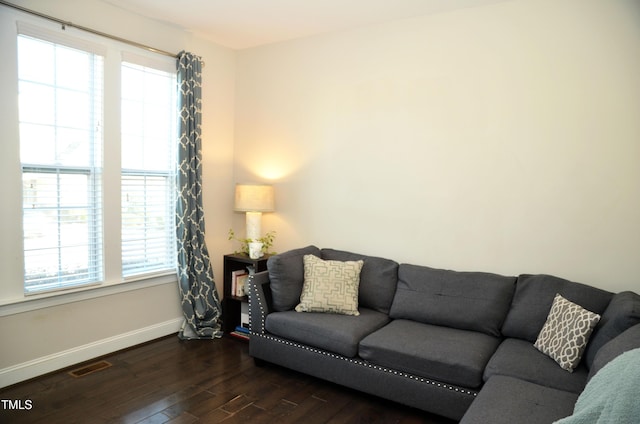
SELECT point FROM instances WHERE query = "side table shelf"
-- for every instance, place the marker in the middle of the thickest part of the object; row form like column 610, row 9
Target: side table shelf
column 235, row 309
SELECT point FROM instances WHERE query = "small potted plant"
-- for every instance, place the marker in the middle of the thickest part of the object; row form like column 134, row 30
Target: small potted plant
column 267, row 242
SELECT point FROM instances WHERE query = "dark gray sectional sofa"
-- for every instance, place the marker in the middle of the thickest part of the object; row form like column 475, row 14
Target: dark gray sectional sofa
column 457, row 344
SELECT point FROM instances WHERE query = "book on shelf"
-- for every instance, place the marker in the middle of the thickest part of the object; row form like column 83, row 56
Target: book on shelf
column 241, row 284
column 241, row 329
column 235, row 275
column 239, row 335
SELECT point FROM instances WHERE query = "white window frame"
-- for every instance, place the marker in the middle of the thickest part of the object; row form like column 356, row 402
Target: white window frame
column 12, row 297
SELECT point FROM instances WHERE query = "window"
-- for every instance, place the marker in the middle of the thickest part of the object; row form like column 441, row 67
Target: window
column 148, row 162
column 60, row 110
column 98, row 177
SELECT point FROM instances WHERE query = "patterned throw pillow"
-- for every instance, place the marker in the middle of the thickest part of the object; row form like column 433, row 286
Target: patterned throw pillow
column 565, row 334
column 330, row 286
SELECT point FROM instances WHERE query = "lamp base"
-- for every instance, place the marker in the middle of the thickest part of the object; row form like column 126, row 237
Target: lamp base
column 253, row 223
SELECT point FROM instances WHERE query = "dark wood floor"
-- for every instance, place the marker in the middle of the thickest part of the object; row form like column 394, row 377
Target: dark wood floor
column 174, row 381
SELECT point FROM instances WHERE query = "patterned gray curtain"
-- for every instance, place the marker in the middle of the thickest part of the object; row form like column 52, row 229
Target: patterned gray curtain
column 200, row 301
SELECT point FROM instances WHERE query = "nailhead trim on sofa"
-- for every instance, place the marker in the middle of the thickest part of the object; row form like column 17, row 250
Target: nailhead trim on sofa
column 367, row 364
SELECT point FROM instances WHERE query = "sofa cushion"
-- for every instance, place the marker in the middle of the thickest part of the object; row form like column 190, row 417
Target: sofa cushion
column 566, row 332
column 628, row 340
column 518, row 358
column 286, row 274
column 330, row 286
column 465, row 300
column 534, row 296
column 623, row 312
column 509, row 400
column 444, row 354
column 378, row 278
column 331, row 332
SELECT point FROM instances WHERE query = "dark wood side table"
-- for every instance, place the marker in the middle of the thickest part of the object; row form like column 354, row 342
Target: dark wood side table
column 233, row 305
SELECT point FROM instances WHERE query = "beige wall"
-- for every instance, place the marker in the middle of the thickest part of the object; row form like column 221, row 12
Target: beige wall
column 57, row 335
column 503, row 138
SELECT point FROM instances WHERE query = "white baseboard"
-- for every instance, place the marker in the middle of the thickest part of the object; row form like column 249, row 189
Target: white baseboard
column 67, row 358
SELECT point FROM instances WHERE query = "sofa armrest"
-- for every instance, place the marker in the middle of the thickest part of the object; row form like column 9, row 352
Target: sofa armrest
column 259, row 301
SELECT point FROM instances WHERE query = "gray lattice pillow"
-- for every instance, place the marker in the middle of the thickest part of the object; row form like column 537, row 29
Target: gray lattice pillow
column 566, row 332
column 330, row 286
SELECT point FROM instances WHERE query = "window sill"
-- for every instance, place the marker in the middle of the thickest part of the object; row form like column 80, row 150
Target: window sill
column 46, row 300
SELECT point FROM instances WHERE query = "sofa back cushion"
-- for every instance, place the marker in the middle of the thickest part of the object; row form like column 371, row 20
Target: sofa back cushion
column 623, row 312
column 286, row 274
column 534, row 297
column 627, row 340
column 466, row 300
column 378, row 278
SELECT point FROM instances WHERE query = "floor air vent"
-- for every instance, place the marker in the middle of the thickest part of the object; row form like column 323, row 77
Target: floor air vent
column 90, row 369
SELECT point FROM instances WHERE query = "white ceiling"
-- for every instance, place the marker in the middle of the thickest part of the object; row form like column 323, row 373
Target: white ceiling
column 240, row 24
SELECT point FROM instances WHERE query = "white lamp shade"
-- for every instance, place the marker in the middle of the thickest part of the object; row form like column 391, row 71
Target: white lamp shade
column 254, row 198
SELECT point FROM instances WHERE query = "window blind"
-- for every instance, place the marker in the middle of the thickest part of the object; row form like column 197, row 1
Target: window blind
column 148, row 162
column 60, row 112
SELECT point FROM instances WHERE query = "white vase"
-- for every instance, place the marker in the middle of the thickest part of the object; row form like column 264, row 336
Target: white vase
column 255, row 250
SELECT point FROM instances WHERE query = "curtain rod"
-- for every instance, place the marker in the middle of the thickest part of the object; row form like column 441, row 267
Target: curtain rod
column 83, row 28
